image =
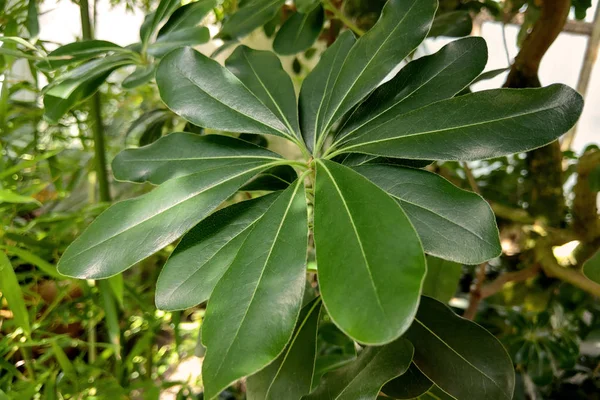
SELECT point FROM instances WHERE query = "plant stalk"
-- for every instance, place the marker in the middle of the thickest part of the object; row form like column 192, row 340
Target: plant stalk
column 329, row 6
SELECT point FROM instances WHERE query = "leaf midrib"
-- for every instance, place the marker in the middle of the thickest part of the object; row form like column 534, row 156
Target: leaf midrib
column 465, row 126
column 460, row 355
column 360, row 245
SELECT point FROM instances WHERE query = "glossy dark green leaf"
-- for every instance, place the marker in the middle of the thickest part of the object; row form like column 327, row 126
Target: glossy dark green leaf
column 33, row 24
column 209, row 95
column 163, row 11
column 409, row 385
column 252, row 15
column 591, row 268
column 442, row 279
column 453, row 223
column 192, row 36
column 78, row 51
column 246, row 332
column 271, row 25
column 480, row 366
column 452, row 24
column 78, row 84
column 317, row 87
column 131, row 230
column 423, row 81
column 290, row 375
column 276, row 178
column 187, row 16
column 299, row 31
column 357, row 230
column 305, row 6
column 204, row 254
column 401, row 28
column 141, row 75
column 475, row 126
column 147, row 121
column 357, row 159
column 262, row 73
column 363, row 378
column 179, row 154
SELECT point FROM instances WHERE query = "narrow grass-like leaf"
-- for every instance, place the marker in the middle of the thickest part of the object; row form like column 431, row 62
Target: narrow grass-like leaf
column 132, row 230
column 453, row 224
column 204, row 254
column 480, row 364
column 76, row 52
column 11, row 291
column 290, row 376
column 365, row 240
column 363, row 378
column 180, row 154
column 246, row 332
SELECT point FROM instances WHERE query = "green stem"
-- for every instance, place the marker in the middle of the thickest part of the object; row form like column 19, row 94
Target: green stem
column 329, row 6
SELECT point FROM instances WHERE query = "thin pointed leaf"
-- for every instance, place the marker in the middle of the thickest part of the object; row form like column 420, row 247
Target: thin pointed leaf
column 11, row 291
column 363, row 378
column 267, row 277
column 480, row 364
column 187, row 16
column 132, row 230
column 401, row 28
column 78, row 51
column 204, row 254
column 475, row 126
column 409, row 385
column 290, row 375
column 180, row 154
column 252, row 15
column 364, row 239
column 299, row 31
column 153, row 20
column 192, row 36
column 453, row 223
column 317, row 87
column 33, row 24
column 261, row 72
column 141, row 75
column 423, row 81
column 208, row 95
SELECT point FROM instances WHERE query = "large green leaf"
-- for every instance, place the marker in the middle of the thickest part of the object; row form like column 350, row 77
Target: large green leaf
column 452, row 24
column 78, row 51
column 366, row 249
column 179, row 154
column 290, row 375
column 458, row 355
column 481, row 125
column 131, row 230
column 187, row 16
column 192, row 36
column 299, row 31
column 422, row 82
column 245, row 332
column 79, row 84
column 253, row 14
column 11, row 291
column 363, row 378
column 401, row 28
column 204, row 254
column 442, row 279
column 452, row 223
column 261, row 72
column 209, row 95
column 317, row 87
column 409, row 385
